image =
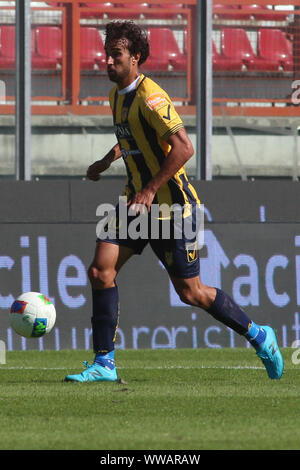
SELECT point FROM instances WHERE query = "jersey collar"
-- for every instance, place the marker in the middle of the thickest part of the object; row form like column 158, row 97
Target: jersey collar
column 133, row 85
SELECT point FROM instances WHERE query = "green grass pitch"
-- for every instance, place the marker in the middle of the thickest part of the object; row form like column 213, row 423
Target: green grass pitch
column 167, row 400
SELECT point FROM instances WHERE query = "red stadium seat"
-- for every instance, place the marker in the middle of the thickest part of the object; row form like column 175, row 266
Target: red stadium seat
column 166, row 14
column 267, row 16
column 100, row 13
column 164, row 51
column 218, row 12
column 7, row 50
column 236, row 45
column 7, row 47
column 48, row 51
column 221, row 63
column 275, row 48
column 155, row 61
column 133, row 10
column 92, row 53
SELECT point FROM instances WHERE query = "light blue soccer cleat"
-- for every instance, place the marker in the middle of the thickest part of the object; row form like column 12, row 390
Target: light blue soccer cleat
column 94, row 373
column 270, row 354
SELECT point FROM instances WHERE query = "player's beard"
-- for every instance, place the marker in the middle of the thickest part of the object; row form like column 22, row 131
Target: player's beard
column 118, row 77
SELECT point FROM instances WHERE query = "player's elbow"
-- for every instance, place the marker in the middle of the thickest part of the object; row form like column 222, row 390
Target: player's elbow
column 187, row 146
column 188, row 150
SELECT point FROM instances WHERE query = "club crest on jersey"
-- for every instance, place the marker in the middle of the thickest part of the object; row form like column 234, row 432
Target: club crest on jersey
column 156, row 101
column 192, row 252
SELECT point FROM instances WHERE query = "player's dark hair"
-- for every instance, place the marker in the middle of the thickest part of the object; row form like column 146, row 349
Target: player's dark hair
column 136, row 36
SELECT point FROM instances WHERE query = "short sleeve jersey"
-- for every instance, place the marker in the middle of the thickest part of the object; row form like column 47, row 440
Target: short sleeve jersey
column 144, row 119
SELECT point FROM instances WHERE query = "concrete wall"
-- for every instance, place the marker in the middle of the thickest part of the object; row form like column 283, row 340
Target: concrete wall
column 67, row 145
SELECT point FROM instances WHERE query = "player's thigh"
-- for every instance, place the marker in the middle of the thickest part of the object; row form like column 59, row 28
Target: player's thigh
column 180, row 258
column 177, row 244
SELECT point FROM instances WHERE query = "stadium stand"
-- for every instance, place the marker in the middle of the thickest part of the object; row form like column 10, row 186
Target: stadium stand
column 92, row 54
column 48, row 47
column 221, row 11
column 7, row 47
column 156, row 60
column 249, row 42
column 164, row 51
column 97, row 10
column 133, row 10
column 275, row 49
column 257, row 14
column 236, row 45
column 171, row 14
column 222, row 63
column 254, row 12
column 43, row 12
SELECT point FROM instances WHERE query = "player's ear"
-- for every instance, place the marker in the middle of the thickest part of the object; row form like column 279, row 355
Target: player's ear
column 136, row 57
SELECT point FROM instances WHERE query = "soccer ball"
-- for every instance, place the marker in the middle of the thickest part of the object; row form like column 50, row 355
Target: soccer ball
column 32, row 315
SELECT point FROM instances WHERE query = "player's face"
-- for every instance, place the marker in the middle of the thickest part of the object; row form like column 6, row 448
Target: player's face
column 119, row 61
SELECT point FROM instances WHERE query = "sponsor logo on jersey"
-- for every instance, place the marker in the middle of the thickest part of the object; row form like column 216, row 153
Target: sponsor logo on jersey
column 123, row 131
column 156, row 101
column 126, row 153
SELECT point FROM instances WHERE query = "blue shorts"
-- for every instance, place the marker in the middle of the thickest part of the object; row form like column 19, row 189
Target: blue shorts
column 174, row 241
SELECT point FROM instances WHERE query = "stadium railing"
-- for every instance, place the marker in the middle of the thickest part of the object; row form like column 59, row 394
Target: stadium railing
column 256, row 58
column 255, row 55
column 68, row 58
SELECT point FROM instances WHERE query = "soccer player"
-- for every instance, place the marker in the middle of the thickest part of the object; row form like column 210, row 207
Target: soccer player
column 154, row 145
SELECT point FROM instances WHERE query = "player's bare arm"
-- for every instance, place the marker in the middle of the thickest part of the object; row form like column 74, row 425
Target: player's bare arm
column 94, row 170
column 181, row 151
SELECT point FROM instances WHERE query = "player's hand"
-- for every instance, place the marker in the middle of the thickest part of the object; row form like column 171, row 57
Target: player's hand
column 141, row 201
column 94, row 170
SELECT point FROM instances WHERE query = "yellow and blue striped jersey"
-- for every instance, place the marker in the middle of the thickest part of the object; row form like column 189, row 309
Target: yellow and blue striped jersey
column 144, row 118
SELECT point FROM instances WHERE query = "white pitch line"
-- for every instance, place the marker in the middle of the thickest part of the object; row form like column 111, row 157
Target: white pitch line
column 4, row 367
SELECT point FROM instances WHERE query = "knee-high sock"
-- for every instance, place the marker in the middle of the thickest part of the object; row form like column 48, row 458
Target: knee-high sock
column 228, row 312
column 105, row 319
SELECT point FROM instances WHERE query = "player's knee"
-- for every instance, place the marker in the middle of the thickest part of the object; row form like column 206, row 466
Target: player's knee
column 194, row 297
column 100, row 278
column 188, row 297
